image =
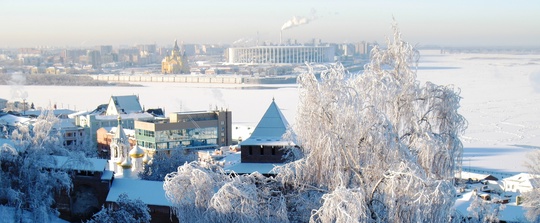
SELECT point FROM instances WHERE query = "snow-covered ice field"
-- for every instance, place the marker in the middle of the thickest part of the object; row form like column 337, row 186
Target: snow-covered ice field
column 501, row 102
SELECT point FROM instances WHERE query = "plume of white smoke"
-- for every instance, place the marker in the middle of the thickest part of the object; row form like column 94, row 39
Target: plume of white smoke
column 295, row 21
column 299, row 20
column 218, row 95
column 243, row 41
column 17, row 82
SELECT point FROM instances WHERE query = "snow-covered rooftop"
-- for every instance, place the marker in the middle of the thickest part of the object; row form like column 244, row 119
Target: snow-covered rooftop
column 522, row 177
column 56, row 112
column 125, row 116
column 12, row 120
column 150, row 192
column 95, row 165
column 232, row 164
column 75, row 114
column 247, row 168
column 124, row 104
column 474, row 176
column 65, row 123
column 270, row 129
column 128, row 132
column 107, row 175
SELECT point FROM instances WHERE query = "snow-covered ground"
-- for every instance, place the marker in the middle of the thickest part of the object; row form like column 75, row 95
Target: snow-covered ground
column 501, row 102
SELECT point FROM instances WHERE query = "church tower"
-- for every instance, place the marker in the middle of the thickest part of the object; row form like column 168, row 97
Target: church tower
column 119, row 149
column 176, row 63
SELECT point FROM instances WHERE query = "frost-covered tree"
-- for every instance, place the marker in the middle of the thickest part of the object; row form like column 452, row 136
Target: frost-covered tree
column 29, row 175
column 531, row 200
column 125, row 210
column 203, row 194
column 380, row 139
column 163, row 163
column 83, row 144
column 484, row 211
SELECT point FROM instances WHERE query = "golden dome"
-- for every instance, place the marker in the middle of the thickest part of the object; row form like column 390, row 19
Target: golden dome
column 126, row 164
column 136, row 152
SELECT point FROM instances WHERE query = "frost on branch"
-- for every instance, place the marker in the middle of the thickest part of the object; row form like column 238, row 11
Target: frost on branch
column 381, row 137
column 28, row 182
column 482, row 211
column 163, row 163
column 125, row 210
column 200, row 194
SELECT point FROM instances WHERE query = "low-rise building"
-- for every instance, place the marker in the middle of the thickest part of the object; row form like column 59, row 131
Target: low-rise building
column 93, row 122
column 149, row 192
column 192, row 130
column 523, row 182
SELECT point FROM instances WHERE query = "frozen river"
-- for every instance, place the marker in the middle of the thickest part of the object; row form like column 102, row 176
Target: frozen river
column 501, row 101
column 247, row 103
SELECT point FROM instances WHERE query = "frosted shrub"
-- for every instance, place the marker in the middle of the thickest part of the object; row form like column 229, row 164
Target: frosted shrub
column 198, row 191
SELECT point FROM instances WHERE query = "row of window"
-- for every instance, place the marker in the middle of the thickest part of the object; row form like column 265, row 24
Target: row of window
column 261, row 151
column 147, row 133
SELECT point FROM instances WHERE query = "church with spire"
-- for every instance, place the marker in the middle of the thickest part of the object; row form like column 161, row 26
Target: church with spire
column 176, row 63
column 125, row 160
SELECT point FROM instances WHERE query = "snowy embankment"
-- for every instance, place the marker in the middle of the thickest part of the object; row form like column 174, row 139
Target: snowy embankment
column 501, row 102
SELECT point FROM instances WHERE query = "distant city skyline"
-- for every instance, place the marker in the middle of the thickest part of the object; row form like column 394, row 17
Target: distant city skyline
column 63, row 23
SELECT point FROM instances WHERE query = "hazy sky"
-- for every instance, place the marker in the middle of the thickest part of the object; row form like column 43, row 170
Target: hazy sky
column 96, row 22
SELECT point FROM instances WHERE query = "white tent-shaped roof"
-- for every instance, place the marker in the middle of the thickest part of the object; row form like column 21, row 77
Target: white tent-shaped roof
column 270, row 129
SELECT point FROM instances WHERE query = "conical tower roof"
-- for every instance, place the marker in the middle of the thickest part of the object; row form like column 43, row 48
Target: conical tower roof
column 270, row 128
column 272, row 124
column 120, row 134
column 176, row 48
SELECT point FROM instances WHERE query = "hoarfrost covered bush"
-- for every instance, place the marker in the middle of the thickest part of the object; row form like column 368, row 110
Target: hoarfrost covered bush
column 202, row 194
column 378, row 147
column 162, row 164
column 380, row 137
column 29, row 174
column 125, row 210
column 483, row 211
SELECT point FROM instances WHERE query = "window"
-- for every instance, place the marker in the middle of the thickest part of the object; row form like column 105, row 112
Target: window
column 250, row 150
column 262, row 150
column 273, row 151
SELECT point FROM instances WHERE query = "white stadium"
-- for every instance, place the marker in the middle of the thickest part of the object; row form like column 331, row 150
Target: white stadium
column 280, row 54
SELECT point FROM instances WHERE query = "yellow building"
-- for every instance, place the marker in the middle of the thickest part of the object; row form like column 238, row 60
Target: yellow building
column 176, row 63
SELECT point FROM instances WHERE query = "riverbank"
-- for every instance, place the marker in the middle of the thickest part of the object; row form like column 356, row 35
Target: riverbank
column 214, row 79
